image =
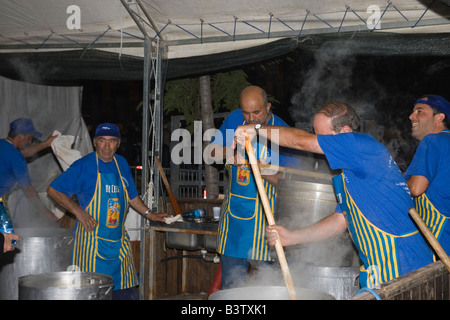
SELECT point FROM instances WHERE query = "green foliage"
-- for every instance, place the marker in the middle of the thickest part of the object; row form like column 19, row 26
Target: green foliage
column 182, row 96
column 226, row 88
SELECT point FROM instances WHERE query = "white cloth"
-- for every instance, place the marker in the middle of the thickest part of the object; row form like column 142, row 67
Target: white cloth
column 62, row 148
column 173, row 219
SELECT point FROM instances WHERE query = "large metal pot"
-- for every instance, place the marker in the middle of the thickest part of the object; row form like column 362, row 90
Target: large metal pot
column 66, row 286
column 39, row 251
column 342, row 283
column 302, row 203
column 268, row 293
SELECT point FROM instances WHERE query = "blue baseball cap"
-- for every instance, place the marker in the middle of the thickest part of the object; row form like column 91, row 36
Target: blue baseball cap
column 436, row 102
column 24, row 125
column 107, row 129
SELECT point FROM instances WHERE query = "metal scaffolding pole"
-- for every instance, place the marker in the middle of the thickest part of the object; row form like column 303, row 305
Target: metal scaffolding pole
column 152, row 118
column 151, row 147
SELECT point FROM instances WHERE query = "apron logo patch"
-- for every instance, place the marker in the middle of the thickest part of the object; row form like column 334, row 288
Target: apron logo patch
column 112, row 218
column 243, row 176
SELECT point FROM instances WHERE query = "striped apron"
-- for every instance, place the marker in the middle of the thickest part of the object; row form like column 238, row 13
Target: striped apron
column 107, row 249
column 241, row 232
column 378, row 250
column 435, row 220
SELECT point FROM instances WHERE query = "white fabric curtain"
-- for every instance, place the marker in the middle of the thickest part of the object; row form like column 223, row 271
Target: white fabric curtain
column 51, row 108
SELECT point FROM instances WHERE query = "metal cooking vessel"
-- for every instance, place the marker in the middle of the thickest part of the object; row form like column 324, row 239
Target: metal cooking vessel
column 41, row 250
column 342, row 283
column 66, row 286
column 302, row 203
column 268, row 293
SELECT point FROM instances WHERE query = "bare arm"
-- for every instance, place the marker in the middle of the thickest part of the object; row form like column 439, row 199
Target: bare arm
column 64, row 201
column 141, row 208
column 284, row 136
column 417, row 185
column 324, row 229
column 35, row 148
column 233, row 158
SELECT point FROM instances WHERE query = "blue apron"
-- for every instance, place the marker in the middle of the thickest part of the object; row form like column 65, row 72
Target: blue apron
column 378, row 250
column 107, row 249
column 241, row 232
column 434, row 219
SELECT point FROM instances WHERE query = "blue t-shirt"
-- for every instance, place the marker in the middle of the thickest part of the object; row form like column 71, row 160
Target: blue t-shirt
column 373, row 179
column 80, row 179
column 224, row 136
column 432, row 160
column 13, row 168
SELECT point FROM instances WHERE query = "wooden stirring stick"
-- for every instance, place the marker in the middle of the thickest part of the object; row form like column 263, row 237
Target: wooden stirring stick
column 173, row 200
column 430, row 237
column 270, row 219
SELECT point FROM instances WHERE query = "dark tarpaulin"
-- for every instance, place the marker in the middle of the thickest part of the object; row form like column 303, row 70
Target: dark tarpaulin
column 73, row 66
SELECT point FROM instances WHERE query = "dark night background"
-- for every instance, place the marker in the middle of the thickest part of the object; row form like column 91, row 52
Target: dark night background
column 382, row 88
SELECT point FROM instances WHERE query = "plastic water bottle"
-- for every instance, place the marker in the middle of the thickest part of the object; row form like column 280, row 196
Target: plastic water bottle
column 6, row 225
column 195, row 214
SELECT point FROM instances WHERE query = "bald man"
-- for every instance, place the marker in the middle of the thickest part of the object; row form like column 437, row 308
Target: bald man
column 241, row 235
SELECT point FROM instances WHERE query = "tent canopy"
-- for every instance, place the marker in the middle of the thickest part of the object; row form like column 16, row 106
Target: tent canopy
column 104, row 39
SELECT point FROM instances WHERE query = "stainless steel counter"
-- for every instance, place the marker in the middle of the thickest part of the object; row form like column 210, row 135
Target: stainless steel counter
column 186, row 235
column 208, row 227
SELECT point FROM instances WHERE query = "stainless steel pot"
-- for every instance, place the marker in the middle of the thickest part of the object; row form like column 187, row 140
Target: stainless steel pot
column 342, row 283
column 268, row 293
column 39, row 251
column 300, row 204
column 66, row 286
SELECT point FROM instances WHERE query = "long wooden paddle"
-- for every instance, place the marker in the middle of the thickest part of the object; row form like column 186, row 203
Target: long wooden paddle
column 173, row 200
column 430, row 237
column 270, row 218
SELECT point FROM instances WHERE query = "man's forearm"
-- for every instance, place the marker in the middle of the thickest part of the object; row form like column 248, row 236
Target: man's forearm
column 64, row 201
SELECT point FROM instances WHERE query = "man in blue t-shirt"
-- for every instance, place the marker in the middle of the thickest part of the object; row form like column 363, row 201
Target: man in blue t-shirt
column 429, row 172
column 373, row 198
column 105, row 189
column 241, row 234
column 13, row 166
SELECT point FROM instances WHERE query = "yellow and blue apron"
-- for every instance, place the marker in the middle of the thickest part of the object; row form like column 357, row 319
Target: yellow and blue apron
column 435, row 220
column 107, row 249
column 241, row 232
column 378, row 250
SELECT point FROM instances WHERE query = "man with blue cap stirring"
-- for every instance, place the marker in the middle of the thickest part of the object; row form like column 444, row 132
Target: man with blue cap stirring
column 429, row 172
column 105, row 189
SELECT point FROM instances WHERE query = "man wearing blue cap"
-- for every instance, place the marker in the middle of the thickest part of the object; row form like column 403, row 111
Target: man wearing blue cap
column 428, row 174
column 13, row 166
column 103, row 184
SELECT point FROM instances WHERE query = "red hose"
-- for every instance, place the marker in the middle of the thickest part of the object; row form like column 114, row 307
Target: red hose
column 217, row 282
